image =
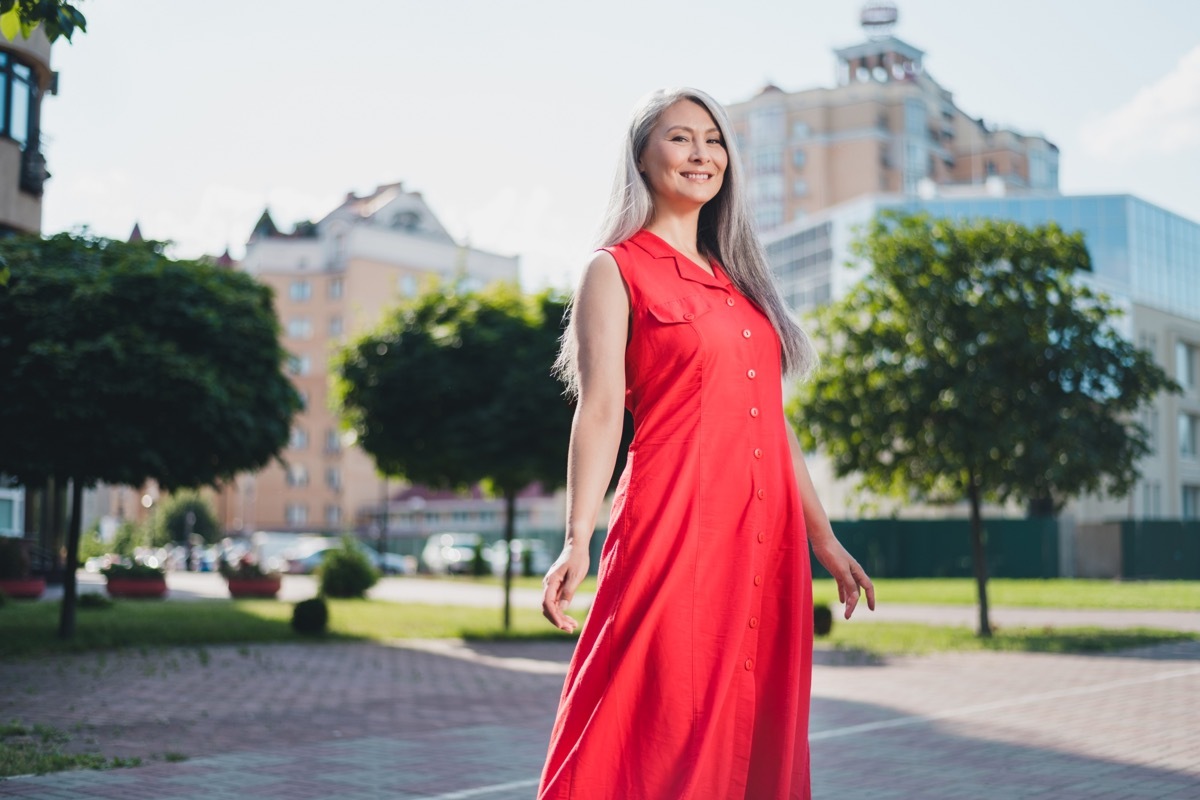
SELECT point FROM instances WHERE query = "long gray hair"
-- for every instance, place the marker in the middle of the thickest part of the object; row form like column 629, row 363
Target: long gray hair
column 725, row 232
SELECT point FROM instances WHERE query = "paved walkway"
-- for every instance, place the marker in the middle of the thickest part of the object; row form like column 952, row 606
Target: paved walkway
column 200, row 586
column 446, row 720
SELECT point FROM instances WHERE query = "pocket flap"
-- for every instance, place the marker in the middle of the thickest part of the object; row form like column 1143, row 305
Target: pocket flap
column 682, row 309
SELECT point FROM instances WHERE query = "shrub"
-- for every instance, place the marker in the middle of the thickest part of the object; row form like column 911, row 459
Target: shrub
column 93, row 600
column 822, row 619
column 244, row 568
column 14, row 558
column 134, row 571
column 3, row 599
column 310, row 617
column 479, row 564
column 346, row 572
column 169, row 523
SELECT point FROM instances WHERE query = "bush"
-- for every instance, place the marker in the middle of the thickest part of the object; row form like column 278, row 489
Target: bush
column 3, row 599
column 244, row 568
column 479, row 564
column 93, row 600
column 346, row 572
column 169, row 523
column 310, row 617
column 134, row 571
column 822, row 619
column 14, row 558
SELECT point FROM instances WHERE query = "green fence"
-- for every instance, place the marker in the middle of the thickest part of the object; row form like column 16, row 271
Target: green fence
column 1160, row 549
column 941, row 548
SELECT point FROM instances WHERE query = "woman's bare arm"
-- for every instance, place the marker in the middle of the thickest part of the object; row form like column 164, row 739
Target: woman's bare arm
column 601, row 324
column 850, row 577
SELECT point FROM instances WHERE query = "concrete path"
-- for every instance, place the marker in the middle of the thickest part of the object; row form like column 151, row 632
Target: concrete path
column 196, row 586
column 446, row 720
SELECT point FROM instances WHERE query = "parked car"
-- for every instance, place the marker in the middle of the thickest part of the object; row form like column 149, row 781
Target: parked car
column 307, row 560
column 540, row 559
column 449, row 553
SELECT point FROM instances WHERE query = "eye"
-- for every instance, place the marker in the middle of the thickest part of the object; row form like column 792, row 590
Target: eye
column 679, row 137
column 716, row 142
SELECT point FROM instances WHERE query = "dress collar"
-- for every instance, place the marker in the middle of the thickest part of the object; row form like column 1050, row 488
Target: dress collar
column 688, row 269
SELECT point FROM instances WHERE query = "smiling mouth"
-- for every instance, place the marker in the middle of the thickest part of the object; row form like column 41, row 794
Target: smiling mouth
column 697, row 176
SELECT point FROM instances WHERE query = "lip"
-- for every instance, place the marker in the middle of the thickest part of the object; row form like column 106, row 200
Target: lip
column 692, row 176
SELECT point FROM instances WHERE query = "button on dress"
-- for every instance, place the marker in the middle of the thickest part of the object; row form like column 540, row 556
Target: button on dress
column 692, row 675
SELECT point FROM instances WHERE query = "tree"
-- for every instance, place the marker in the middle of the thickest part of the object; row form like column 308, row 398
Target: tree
column 22, row 17
column 455, row 389
column 118, row 364
column 171, row 524
column 972, row 363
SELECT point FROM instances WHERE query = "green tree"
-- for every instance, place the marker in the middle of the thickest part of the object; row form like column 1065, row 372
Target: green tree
column 972, row 363
column 118, row 364
column 455, row 389
column 22, row 17
column 170, row 521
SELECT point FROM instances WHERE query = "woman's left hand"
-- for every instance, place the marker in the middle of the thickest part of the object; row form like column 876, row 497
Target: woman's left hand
column 847, row 572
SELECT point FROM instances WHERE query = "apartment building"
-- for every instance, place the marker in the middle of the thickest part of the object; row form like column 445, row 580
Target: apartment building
column 334, row 279
column 25, row 78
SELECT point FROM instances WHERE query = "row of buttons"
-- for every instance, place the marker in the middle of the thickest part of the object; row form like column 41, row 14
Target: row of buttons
column 751, row 374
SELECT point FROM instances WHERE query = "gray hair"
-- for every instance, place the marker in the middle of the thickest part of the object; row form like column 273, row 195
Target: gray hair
column 725, row 232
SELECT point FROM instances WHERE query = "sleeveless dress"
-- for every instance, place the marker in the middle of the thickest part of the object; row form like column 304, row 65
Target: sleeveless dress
column 692, row 675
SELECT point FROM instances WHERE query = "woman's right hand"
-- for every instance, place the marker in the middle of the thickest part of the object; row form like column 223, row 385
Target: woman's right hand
column 560, row 583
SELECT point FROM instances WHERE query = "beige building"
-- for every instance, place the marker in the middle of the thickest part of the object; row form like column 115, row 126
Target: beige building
column 333, row 280
column 886, row 127
column 25, row 78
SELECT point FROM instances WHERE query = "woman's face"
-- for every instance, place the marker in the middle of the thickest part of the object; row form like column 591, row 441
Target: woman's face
column 684, row 160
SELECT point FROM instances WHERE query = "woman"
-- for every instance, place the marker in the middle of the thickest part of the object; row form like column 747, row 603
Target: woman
column 692, row 676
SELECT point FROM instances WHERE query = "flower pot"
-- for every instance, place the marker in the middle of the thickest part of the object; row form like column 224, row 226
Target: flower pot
column 267, row 586
column 23, row 588
column 137, row 587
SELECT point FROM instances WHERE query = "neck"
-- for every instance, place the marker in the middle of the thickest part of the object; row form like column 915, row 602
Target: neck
column 677, row 230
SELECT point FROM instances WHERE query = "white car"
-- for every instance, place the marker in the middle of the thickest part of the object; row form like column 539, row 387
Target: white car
column 450, row 553
column 539, row 557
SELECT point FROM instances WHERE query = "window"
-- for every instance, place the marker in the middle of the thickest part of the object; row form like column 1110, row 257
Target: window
column 299, row 328
column 333, row 478
column 336, row 326
column 1188, row 424
column 8, row 514
column 407, row 285
column 299, row 439
column 333, row 443
column 299, row 365
column 18, row 93
column 767, row 126
column 297, row 475
column 333, row 515
column 1185, row 365
column 300, row 291
column 800, row 131
column 296, row 513
column 799, row 188
column 798, row 158
column 767, row 162
column 304, row 396
column 335, row 288
column 1191, row 502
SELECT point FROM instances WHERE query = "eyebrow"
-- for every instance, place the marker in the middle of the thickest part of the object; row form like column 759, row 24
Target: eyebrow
column 690, row 129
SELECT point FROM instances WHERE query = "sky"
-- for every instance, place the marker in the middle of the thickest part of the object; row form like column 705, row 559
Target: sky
column 190, row 117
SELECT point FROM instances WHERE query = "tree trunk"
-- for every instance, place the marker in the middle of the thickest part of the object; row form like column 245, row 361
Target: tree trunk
column 66, row 619
column 510, row 523
column 978, row 555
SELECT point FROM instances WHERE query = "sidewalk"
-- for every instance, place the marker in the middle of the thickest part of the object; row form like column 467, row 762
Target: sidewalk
column 446, row 720
column 203, row 586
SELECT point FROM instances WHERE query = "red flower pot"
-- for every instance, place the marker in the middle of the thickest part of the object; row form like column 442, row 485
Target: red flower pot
column 137, row 587
column 23, row 588
column 254, row 587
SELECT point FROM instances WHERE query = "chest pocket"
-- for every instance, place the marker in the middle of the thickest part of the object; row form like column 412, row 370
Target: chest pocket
column 681, row 310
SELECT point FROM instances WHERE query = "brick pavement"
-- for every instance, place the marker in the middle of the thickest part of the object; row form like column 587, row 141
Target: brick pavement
column 448, row 721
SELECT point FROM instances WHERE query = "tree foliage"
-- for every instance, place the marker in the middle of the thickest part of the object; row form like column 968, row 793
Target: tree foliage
column 118, row 364
column 972, row 363
column 170, row 524
column 455, row 389
column 22, row 17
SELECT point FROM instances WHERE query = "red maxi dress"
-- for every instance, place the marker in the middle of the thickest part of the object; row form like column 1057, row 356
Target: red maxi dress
column 692, row 675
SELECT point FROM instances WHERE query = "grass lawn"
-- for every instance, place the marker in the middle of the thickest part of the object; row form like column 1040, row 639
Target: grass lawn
column 30, row 628
column 1050, row 593
column 38, row 749
column 1036, row 593
column 878, row 639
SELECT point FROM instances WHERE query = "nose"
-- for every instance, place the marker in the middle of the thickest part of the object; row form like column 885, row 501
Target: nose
column 700, row 152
